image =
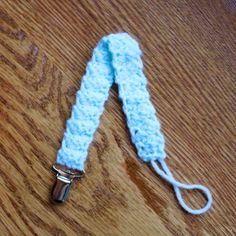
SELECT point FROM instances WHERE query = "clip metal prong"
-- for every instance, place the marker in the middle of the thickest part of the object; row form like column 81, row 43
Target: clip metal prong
column 63, row 183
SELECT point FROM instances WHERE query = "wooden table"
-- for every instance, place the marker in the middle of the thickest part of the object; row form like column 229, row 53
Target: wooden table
column 190, row 61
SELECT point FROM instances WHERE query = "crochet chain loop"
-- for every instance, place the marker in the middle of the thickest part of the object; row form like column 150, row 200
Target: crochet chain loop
column 167, row 175
column 117, row 58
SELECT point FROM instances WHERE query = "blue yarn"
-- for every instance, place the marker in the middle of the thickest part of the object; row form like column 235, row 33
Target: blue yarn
column 167, row 175
column 117, row 58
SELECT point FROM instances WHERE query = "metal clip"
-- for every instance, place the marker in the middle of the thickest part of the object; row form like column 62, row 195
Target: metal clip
column 63, row 183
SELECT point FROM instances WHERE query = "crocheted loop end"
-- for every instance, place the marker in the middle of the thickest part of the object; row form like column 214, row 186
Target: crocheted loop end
column 166, row 174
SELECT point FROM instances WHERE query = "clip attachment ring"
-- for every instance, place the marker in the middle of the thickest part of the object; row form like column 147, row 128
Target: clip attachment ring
column 64, row 181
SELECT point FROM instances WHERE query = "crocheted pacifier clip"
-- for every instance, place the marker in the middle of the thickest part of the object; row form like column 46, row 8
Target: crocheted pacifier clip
column 116, row 59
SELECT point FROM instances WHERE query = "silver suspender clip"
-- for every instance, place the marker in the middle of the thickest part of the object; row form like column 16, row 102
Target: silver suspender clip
column 64, row 181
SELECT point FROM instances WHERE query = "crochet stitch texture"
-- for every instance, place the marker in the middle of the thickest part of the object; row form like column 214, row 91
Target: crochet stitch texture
column 117, row 58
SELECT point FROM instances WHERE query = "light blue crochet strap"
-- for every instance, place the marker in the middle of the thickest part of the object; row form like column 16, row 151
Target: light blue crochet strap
column 117, row 58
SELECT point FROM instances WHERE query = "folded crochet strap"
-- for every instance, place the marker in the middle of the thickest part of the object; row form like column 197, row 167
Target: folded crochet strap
column 117, row 59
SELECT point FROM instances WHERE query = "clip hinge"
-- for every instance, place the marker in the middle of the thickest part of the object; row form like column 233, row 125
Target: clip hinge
column 63, row 183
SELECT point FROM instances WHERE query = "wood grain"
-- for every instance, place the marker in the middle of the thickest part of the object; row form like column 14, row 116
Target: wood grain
column 190, row 62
